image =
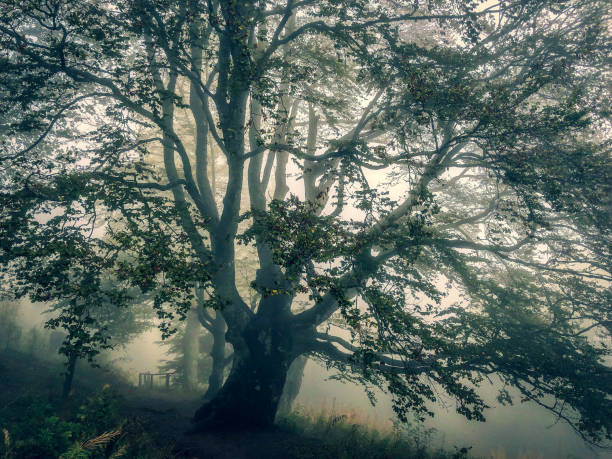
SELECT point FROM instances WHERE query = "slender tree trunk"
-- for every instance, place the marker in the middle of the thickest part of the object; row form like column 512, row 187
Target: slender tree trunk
column 69, row 375
column 217, row 353
column 292, row 385
column 191, row 351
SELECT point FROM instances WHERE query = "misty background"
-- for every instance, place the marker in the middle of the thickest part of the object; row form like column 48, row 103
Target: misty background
column 519, row 431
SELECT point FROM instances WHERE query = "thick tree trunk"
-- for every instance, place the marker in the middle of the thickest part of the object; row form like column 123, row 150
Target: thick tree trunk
column 217, row 353
column 265, row 345
column 248, row 399
column 251, row 394
column 292, row 385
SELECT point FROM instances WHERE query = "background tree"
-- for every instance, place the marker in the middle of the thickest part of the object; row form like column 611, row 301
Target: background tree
column 10, row 331
column 189, row 355
column 501, row 106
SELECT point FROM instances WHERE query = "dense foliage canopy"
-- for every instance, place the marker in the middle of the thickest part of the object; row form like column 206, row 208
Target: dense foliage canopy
column 426, row 184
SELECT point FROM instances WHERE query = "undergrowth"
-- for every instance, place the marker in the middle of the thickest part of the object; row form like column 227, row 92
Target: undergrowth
column 348, row 435
column 92, row 427
column 34, row 423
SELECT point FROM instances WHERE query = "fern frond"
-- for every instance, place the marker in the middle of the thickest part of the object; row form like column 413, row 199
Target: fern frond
column 101, row 440
column 120, row 452
column 7, row 439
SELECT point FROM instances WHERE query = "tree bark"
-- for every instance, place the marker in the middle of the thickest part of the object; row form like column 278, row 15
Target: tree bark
column 292, row 385
column 69, row 375
column 250, row 396
column 191, row 351
column 217, row 353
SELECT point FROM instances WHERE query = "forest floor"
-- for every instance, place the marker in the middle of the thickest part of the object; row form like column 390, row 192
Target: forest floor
column 163, row 420
column 169, row 415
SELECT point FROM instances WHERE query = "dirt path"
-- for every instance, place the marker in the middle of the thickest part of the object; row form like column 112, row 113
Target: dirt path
column 164, row 415
column 168, row 416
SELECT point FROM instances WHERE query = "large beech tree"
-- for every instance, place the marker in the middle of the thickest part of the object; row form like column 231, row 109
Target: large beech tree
column 428, row 186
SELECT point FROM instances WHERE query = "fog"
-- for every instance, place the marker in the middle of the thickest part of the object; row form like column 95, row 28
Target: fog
column 521, row 430
column 261, row 205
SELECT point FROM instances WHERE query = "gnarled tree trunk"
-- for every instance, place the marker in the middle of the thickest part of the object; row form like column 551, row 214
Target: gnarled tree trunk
column 263, row 352
column 250, row 396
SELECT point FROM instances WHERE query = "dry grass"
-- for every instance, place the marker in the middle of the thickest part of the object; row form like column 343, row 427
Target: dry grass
column 8, row 452
column 350, row 434
column 500, row 453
